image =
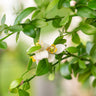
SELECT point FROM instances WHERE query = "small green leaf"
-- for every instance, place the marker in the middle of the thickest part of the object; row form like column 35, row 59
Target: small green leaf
column 52, row 5
column 43, row 67
column 3, row 45
column 15, row 28
column 29, row 30
column 93, row 70
column 26, row 86
column 23, row 92
column 64, row 21
column 59, row 40
column 82, row 64
column 75, row 38
column 40, row 23
column 89, row 46
column 24, row 14
column 86, row 12
column 88, row 29
column 64, row 70
column 60, row 4
column 3, row 19
column 94, row 83
column 17, row 36
column 29, row 64
column 72, row 49
column 2, row 27
column 33, row 49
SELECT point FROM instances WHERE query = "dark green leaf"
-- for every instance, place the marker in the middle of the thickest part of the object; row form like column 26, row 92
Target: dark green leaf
column 94, row 83
column 33, row 49
column 24, row 14
column 43, row 67
column 93, row 70
column 29, row 30
column 60, row 4
column 64, row 70
column 26, row 86
column 23, row 92
column 59, row 40
column 75, row 38
column 3, row 19
column 88, row 29
column 3, row 45
column 15, row 28
column 72, row 49
column 92, row 4
column 86, row 12
column 29, row 64
column 82, row 64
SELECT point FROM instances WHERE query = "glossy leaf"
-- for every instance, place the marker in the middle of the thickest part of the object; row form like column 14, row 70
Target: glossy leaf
column 86, row 12
column 72, row 49
column 24, row 14
column 43, row 67
column 75, row 38
column 59, row 40
column 88, row 29
column 33, row 49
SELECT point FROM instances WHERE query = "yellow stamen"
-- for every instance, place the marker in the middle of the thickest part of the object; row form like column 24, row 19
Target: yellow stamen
column 52, row 49
column 33, row 59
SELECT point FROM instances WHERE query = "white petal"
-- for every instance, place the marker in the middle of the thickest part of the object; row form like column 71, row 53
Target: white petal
column 60, row 48
column 51, row 57
column 41, row 55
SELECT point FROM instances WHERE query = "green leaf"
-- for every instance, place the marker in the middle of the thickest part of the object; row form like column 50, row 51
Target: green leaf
column 56, row 22
column 59, row 40
column 14, row 84
column 33, row 49
column 64, row 21
column 92, row 4
column 52, row 5
column 43, row 67
column 29, row 64
column 93, row 53
column 24, row 14
column 82, row 64
column 15, row 28
column 26, row 86
column 75, row 38
column 37, row 35
column 23, row 92
column 72, row 49
column 94, row 83
column 2, row 27
column 86, row 12
column 29, row 30
column 3, row 45
column 64, row 70
column 89, row 46
column 93, row 70
column 3, row 19
column 88, row 29
column 17, row 36
column 39, row 23
column 60, row 4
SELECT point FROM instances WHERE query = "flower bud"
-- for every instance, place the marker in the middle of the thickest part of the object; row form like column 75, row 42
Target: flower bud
column 72, row 3
column 13, row 86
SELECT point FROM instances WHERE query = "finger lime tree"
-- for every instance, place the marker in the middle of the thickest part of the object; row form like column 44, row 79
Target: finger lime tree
column 79, row 60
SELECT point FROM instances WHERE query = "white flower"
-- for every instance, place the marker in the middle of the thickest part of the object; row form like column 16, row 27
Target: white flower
column 47, row 51
column 72, row 3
